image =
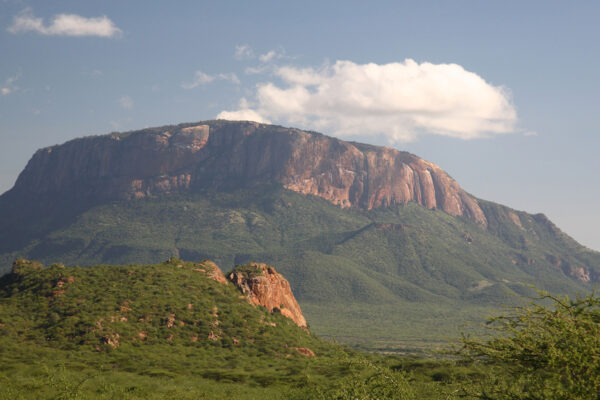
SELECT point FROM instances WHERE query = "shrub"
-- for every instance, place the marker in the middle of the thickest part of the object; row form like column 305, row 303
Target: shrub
column 542, row 351
column 23, row 267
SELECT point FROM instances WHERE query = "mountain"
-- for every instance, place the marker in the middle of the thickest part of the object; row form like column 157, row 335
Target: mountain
column 221, row 154
column 382, row 248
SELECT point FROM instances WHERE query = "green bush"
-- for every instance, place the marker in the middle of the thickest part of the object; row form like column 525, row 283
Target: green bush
column 22, row 266
column 547, row 350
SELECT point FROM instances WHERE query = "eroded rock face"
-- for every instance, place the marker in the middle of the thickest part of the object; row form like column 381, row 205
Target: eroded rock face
column 115, row 166
column 213, row 271
column 265, row 287
column 222, row 154
column 350, row 174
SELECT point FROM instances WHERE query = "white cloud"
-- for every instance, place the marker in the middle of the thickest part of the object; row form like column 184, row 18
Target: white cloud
column 303, row 76
column 272, row 55
column 267, row 56
column 9, row 85
column 256, row 70
column 201, row 78
column 267, row 62
column 243, row 52
column 229, row 77
column 126, row 102
column 64, row 25
column 398, row 101
column 244, row 103
column 242, row 115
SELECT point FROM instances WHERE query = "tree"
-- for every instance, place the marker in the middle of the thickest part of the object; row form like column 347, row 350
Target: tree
column 549, row 349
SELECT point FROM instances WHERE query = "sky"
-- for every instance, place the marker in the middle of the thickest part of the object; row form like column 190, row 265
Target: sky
column 503, row 95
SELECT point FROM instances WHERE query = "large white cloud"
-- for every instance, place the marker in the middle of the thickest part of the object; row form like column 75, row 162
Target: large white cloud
column 64, row 25
column 399, row 101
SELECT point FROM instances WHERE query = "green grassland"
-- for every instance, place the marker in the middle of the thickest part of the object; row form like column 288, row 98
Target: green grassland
column 403, row 278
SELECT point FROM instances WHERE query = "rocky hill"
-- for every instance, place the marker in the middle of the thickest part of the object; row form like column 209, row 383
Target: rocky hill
column 132, row 312
column 182, row 330
column 117, row 331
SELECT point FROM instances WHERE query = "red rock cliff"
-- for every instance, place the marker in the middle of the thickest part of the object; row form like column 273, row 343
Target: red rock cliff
column 219, row 154
column 265, row 287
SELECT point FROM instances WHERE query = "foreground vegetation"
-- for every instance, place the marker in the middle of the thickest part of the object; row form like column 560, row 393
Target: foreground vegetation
column 549, row 350
column 170, row 331
column 165, row 330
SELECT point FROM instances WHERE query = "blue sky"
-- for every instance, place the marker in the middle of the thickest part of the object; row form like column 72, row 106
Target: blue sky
column 514, row 121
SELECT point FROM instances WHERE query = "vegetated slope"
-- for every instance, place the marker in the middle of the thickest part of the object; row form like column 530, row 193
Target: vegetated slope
column 180, row 330
column 379, row 255
column 384, row 277
column 127, row 325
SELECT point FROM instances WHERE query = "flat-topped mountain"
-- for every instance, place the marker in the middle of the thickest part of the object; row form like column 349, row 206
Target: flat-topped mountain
column 381, row 248
column 221, row 154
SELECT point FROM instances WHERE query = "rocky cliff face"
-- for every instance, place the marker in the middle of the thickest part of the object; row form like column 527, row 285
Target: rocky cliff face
column 212, row 271
column 265, row 287
column 222, row 154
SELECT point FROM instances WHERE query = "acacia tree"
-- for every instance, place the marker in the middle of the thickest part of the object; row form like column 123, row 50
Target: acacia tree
column 547, row 350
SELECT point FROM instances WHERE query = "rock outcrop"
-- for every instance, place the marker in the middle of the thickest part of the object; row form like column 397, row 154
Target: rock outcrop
column 265, row 287
column 213, row 271
column 222, row 154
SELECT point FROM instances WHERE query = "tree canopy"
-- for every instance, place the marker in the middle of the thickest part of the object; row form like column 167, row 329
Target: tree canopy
column 549, row 349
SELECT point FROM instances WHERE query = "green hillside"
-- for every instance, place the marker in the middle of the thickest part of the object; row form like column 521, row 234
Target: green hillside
column 387, row 278
column 169, row 331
